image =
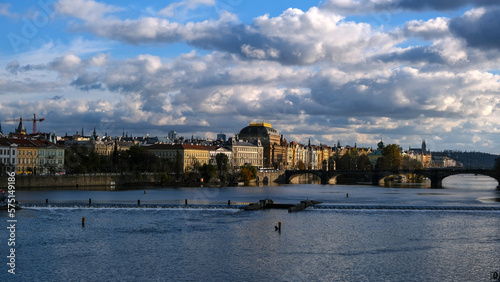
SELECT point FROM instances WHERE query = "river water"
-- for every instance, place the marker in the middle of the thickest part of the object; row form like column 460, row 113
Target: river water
column 160, row 240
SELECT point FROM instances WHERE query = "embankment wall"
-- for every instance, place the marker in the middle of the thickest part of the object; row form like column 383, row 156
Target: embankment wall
column 79, row 181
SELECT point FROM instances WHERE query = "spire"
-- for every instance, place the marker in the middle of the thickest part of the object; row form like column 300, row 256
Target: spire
column 82, row 132
column 94, row 133
column 20, row 129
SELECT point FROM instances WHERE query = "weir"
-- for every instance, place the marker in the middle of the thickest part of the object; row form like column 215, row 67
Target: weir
column 311, row 207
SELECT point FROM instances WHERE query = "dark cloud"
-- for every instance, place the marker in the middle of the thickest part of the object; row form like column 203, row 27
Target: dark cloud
column 14, row 67
column 479, row 31
column 422, row 54
column 440, row 5
column 371, row 6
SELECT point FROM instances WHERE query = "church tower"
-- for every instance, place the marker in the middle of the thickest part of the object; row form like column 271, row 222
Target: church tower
column 20, row 129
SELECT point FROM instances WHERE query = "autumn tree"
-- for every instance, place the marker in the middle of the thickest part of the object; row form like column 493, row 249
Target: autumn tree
column 392, row 153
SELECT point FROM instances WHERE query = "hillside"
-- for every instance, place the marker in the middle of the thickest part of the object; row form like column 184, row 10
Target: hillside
column 470, row 159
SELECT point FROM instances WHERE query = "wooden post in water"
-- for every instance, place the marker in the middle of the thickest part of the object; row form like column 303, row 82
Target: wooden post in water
column 279, row 227
column 186, row 202
column 138, row 202
column 46, row 201
column 228, row 203
column 83, row 221
column 90, row 202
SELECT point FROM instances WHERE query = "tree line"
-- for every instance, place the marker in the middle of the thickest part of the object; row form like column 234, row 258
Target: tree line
column 391, row 159
column 137, row 160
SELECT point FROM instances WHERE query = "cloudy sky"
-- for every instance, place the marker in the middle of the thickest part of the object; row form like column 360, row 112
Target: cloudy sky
column 348, row 70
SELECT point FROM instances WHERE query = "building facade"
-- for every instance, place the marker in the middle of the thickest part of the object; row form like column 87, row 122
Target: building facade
column 274, row 146
column 8, row 156
column 27, row 156
column 246, row 153
column 50, row 157
column 184, row 155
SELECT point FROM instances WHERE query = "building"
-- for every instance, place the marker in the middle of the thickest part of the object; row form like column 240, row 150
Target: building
column 27, row 156
column 20, row 128
column 246, row 153
column 421, row 154
column 184, row 155
column 373, row 156
column 8, row 156
column 275, row 148
column 50, row 157
column 443, row 161
column 172, row 135
column 215, row 150
column 221, row 137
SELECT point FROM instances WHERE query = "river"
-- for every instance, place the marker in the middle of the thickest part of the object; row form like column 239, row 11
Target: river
column 159, row 240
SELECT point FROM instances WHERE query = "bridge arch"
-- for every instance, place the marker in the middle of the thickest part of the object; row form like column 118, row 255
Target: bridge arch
column 294, row 176
column 486, row 181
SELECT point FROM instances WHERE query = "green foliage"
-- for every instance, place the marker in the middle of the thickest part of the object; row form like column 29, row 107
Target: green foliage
column 223, row 167
column 247, row 173
column 351, row 160
column 208, row 172
column 392, row 154
column 382, row 163
column 364, row 163
column 411, row 164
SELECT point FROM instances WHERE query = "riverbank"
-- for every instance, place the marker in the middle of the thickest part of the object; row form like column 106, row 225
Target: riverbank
column 111, row 181
column 83, row 181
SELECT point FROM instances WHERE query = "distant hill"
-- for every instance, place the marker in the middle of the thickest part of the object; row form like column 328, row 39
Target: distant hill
column 474, row 160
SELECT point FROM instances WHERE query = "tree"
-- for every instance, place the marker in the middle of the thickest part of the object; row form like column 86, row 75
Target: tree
column 364, row 162
column 349, row 160
column 301, row 165
column 248, row 173
column 382, row 163
column 223, row 167
column 411, row 164
column 208, row 172
column 392, row 153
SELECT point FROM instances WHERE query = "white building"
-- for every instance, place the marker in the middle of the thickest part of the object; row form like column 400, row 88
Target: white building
column 220, row 150
column 246, row 153
column 8, row 156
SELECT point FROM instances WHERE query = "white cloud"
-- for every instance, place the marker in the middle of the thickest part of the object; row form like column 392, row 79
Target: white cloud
column 185, row 5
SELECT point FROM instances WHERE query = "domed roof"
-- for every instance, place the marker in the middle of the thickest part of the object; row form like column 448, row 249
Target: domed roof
column 258, row 130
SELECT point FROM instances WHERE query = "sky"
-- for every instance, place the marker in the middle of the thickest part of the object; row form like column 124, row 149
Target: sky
column 354, row 71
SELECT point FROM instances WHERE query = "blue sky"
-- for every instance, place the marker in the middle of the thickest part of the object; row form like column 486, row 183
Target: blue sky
column 348, row 70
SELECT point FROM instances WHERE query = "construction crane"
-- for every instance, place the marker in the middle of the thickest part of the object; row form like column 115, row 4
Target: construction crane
column 34, row 119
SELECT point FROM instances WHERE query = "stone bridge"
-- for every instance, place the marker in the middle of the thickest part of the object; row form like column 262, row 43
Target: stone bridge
column 436, row 176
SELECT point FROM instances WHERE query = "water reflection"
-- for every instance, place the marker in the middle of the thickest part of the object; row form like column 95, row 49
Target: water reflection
column 470, row 182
